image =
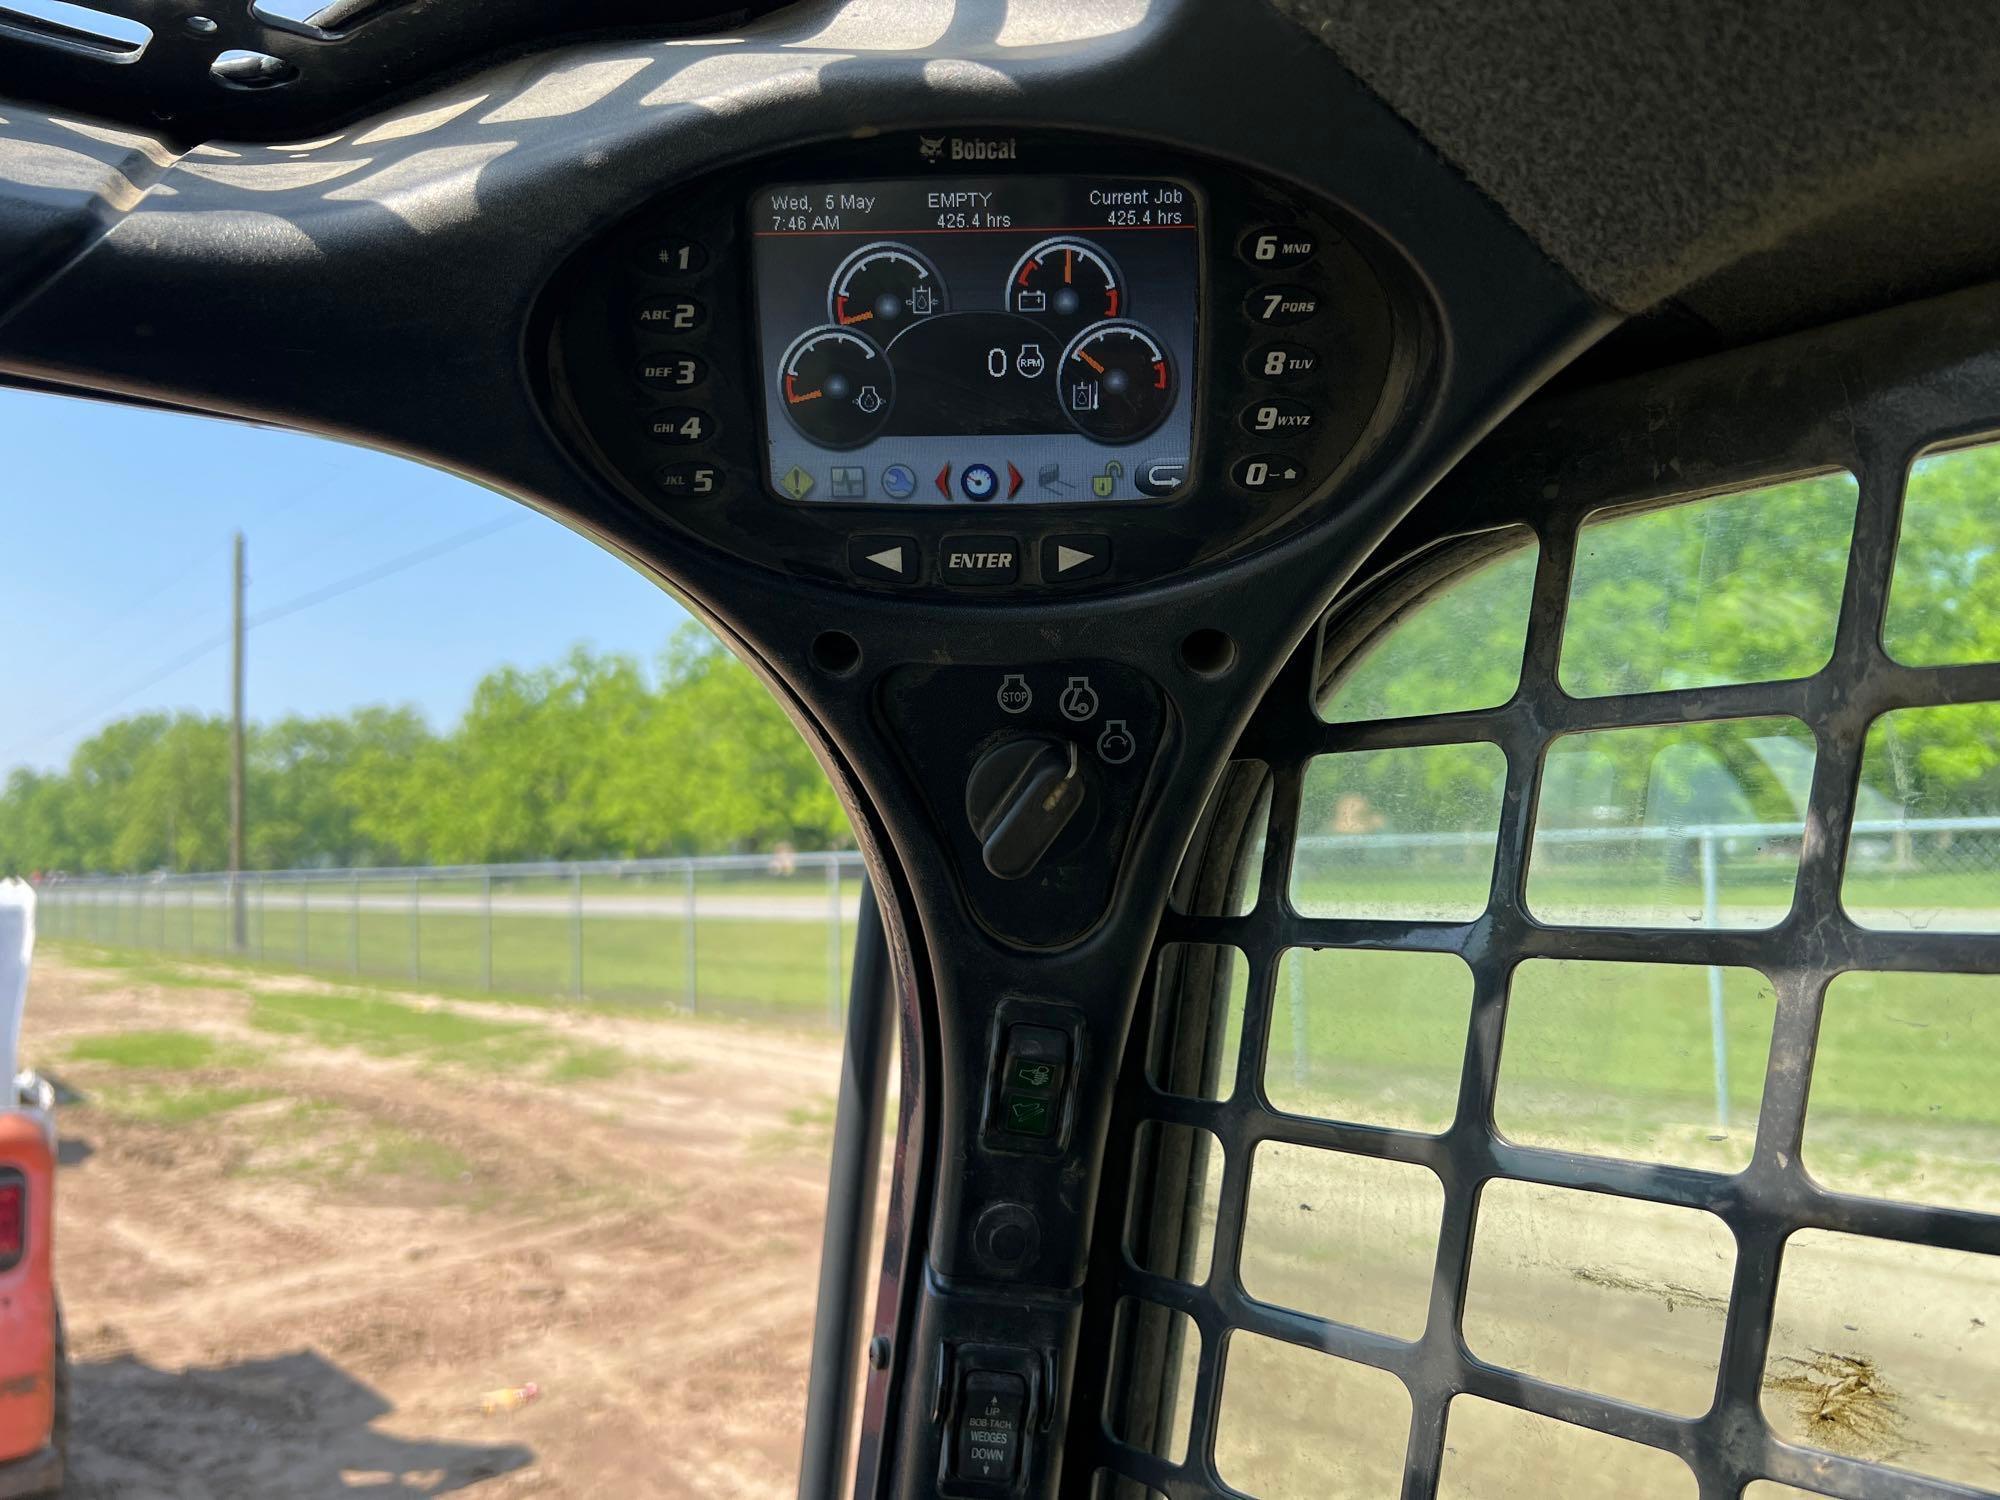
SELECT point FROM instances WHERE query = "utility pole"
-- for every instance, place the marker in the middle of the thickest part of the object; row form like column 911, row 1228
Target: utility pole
column 238, row 927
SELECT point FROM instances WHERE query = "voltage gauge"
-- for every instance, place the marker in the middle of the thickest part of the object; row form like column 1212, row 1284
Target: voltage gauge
column 1067, row 282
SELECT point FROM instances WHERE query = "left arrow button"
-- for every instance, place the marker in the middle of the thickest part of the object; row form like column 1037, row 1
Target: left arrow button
column 882, row 559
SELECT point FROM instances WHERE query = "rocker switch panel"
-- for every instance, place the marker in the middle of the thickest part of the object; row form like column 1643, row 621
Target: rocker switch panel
column 1034, row 1067
column 992, row 1413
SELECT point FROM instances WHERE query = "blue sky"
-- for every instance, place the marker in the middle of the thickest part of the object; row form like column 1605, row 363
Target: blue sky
column 115, row 529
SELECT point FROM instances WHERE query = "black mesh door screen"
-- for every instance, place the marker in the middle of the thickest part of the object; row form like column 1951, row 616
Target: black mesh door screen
column 1596, row 1089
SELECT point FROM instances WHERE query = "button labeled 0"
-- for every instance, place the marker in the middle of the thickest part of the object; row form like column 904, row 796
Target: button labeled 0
column 1266, row 473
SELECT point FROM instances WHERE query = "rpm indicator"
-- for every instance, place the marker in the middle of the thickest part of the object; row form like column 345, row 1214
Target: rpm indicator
column 1117, row 383
column 883, row 288
column 836, row 387
column 1066, row 281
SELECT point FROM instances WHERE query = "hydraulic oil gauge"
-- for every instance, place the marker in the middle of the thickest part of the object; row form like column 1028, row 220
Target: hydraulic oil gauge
column 1117, row 383
column 837, row 387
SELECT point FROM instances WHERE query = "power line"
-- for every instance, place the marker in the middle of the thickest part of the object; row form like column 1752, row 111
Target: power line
column 82, row 645
column 292, row 606
column 383, row 570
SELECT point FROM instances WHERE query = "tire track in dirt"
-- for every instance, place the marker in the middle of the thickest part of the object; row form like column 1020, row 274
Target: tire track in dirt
column 250, row 1321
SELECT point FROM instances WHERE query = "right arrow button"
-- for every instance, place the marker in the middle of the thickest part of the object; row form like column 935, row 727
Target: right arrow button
column 1072, row 558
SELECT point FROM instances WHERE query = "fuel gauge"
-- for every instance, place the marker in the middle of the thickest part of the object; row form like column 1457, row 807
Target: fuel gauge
column 883, row 288
column 837, row 387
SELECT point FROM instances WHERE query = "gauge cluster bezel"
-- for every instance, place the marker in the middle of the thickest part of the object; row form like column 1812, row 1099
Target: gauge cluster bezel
column 673, row 283
column 943, row 257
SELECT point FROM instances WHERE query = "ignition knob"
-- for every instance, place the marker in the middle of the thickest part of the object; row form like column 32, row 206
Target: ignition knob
column 1019, row 798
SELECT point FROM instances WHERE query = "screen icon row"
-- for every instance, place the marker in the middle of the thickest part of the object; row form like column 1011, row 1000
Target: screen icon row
column 1155, row 478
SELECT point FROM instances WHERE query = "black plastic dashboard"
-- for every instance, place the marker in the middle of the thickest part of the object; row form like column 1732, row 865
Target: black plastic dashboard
column 546, row 277
column 947, row 363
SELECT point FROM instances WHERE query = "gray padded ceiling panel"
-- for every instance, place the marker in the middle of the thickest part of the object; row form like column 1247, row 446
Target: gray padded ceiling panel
column 1766, row 164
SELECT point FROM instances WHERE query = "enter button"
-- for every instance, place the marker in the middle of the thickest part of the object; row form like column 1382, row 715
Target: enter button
column 979, row 560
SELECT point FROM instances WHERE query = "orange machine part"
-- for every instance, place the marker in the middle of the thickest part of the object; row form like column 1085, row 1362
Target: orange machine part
column 27, row 1295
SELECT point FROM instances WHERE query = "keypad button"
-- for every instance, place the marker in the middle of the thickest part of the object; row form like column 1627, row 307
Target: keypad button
column 1279, row 306
column 688, row 481
column 671, row 370
column 1281, row 362
column 1075, row 557
column 979, row 560
column 672, row 255
column 1266, row 473
column 1278, row 416
column 883, row 559
column 1276, row 245
column 680, row 424
column 670, row 315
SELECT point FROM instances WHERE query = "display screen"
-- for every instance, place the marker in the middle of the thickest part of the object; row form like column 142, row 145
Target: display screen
column 965, row 340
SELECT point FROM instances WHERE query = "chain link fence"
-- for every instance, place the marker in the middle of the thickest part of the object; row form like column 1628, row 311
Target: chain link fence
column 768, row 936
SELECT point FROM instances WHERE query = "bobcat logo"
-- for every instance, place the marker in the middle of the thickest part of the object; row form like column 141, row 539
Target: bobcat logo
column 931, row 146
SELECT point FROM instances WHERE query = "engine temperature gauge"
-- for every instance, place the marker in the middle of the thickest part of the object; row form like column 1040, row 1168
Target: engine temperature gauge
column 1117, row 384
column 837, row 387
column 883, row 288
column 1066, row 281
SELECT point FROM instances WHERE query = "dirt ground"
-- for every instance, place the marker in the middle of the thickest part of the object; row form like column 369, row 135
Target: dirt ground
column 309, row 1292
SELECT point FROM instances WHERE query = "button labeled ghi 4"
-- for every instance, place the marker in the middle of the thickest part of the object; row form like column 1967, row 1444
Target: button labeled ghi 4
column 1102, row 485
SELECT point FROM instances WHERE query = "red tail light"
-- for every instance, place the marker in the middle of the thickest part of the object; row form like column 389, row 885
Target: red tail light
column 13, row 1219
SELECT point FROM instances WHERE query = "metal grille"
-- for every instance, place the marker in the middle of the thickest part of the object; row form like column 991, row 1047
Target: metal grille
column 1744, row 431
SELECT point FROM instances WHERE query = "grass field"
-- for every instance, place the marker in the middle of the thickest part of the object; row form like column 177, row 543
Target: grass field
column 1613, row 1058
column 783, row 968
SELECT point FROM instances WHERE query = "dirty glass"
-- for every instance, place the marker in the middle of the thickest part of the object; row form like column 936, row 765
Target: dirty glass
column 1885, row 1351
column 1456, row 649
column 1609, row 1295
column 1944, row 598
column 1743, row 587
column 1652, row 1062
column 1672, row 825
column 1495, row 1452
column 1350, row 1238
column 1904, row 1102
column 1369, row 1037
column 1925, row 849
column 1405, row 833
column 1297, row 1424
